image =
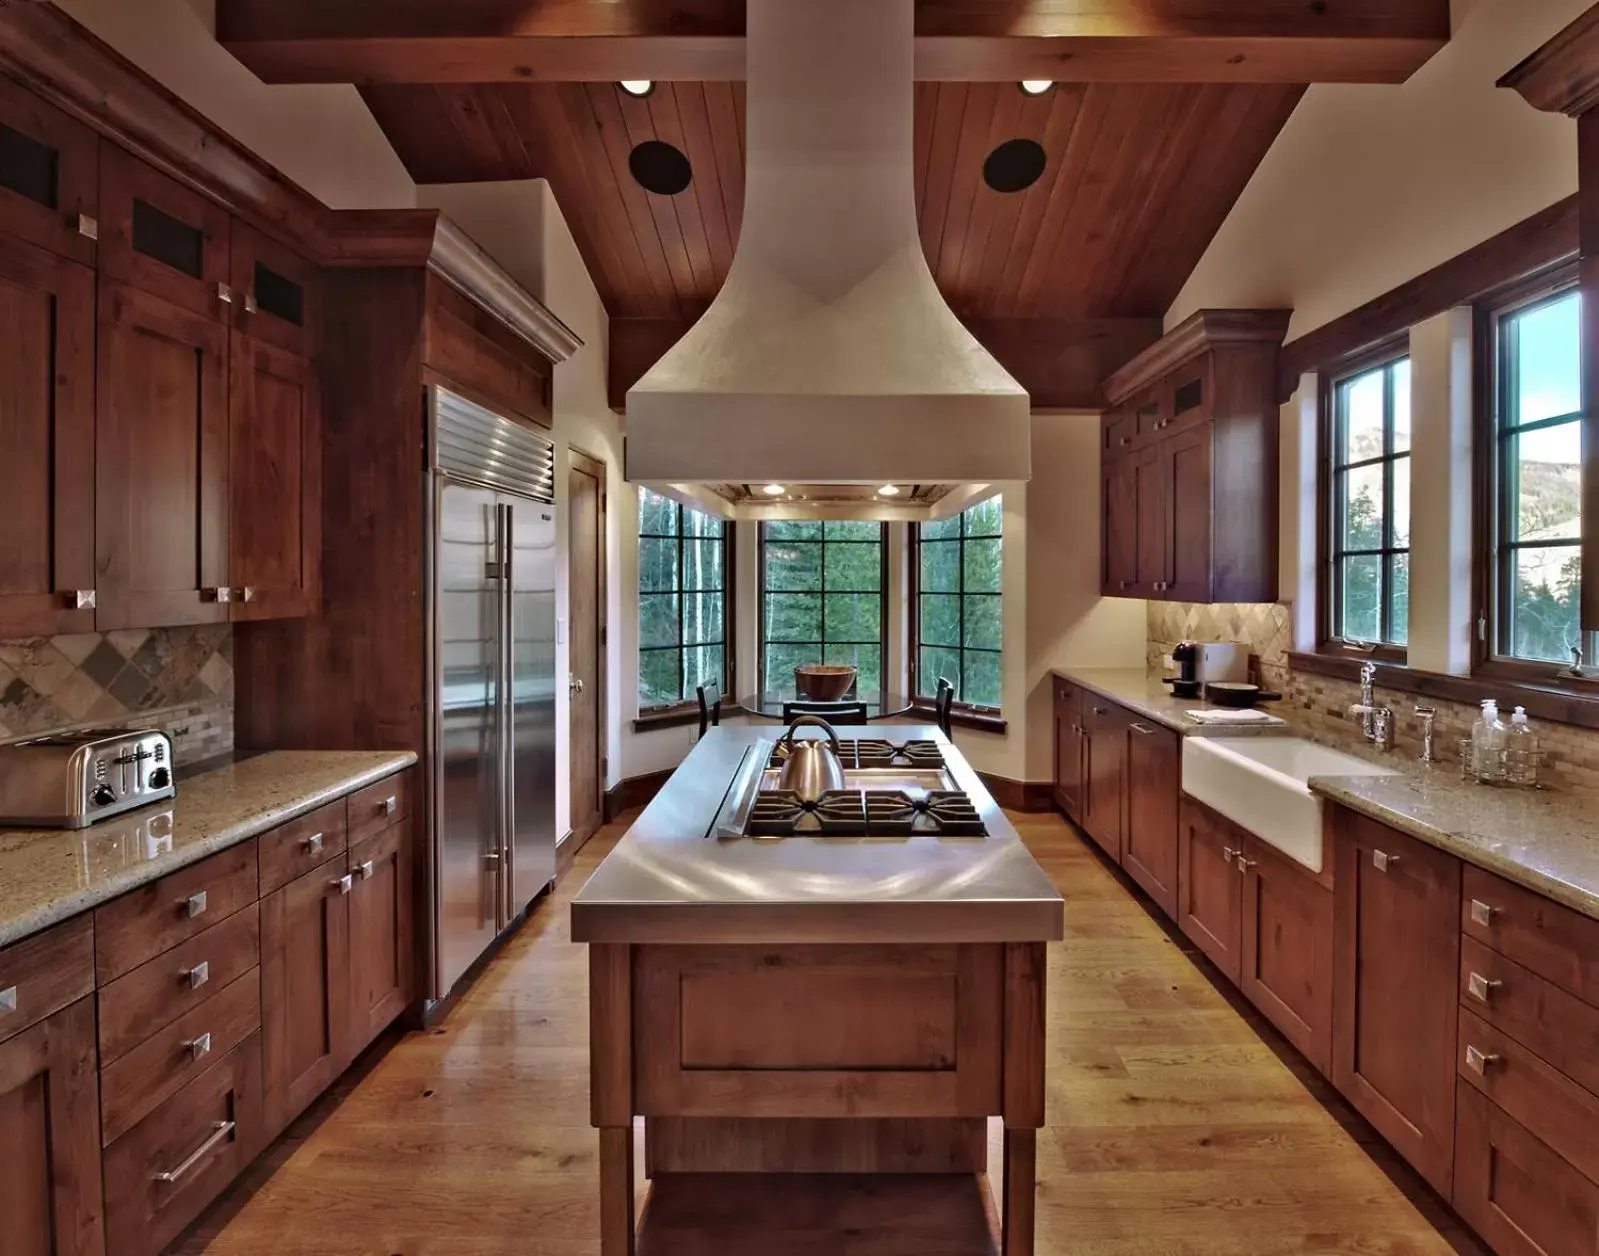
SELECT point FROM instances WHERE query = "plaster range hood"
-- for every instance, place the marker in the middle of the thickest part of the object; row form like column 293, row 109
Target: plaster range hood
column 829, row 355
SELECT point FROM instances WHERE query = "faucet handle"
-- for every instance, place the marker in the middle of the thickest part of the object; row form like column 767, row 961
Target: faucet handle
column 1426, row 714
column 1368, row 672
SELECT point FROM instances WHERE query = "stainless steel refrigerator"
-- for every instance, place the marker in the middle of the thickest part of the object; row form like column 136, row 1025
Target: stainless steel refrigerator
column 492, row 671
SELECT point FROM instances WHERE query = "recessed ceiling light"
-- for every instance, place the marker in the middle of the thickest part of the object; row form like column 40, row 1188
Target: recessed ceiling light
column 773, row 490
column 1030, row 87
column 640, row 87
column 888, row 490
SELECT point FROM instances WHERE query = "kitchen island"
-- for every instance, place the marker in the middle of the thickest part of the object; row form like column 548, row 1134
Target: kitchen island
column 815, row 1004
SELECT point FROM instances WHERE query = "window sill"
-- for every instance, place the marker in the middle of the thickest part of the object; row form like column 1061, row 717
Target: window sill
column 1575, row 702
column 667, row 717
column 979, row 721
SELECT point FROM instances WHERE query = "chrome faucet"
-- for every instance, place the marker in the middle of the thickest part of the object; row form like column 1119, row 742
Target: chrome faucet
column 1427, row 715
column 1376, row 722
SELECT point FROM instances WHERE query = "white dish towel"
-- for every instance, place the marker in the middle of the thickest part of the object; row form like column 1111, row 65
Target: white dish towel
column 1233, row 715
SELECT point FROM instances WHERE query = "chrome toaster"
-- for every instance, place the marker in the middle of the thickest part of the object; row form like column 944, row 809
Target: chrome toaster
column 72, row 781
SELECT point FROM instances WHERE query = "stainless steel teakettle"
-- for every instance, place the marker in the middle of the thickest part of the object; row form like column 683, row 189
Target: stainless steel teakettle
column 811, row 767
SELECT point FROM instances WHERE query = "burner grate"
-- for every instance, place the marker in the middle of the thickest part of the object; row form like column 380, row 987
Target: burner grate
column 865, row 813
column 879, row 752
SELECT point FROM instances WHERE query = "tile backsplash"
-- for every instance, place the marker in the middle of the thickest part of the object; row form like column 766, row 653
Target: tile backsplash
column 176, row 679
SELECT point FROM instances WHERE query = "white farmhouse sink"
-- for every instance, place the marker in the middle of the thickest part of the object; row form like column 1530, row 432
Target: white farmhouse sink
column 1259, row 784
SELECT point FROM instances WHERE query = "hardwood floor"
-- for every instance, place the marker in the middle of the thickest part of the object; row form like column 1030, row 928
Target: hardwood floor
column 1178, row 1123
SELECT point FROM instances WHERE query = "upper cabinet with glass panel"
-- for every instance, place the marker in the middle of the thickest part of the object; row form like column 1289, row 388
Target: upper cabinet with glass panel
column 49, row 176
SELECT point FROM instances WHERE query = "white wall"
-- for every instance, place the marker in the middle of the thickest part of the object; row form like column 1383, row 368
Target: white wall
column 1368, row 186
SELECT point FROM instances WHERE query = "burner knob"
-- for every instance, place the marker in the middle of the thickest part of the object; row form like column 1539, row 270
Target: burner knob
column 160, row 778
column 103, row 796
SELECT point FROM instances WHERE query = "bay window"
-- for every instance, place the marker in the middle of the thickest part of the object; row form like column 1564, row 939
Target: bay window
column 683, row 601
column 958, row 608
column 823, row 598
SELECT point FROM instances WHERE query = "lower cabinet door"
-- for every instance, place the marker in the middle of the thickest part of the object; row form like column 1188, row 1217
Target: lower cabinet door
column 50, row 1138
column 305, row 990
column 1104, row 775
column 1210, row 887
column 1513, row 1190
column 381, row 955
column 168, row 1167
column 1149, row 838
column 1288, row 950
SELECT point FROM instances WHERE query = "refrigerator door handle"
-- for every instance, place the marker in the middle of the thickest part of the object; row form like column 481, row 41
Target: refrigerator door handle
column 507, row 738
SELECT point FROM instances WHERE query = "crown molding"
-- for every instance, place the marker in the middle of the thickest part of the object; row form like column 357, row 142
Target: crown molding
column 1563, row 75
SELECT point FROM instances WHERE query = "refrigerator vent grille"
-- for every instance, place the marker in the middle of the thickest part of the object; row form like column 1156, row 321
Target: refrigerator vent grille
column 479, row 445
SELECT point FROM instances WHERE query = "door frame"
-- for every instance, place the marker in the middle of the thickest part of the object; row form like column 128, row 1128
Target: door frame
column 578, row 459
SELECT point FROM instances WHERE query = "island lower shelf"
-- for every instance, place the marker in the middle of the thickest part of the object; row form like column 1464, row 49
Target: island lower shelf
column 816, row 1058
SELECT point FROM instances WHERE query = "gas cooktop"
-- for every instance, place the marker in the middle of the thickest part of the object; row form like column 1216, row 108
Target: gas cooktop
column 865, row 813
column 878, row 752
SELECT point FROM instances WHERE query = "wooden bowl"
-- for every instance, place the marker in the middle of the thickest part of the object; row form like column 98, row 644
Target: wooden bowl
column 824, row 682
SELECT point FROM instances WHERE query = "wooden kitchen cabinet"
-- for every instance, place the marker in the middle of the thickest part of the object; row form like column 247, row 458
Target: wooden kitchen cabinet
column 1068, row 748
column 277, row 293
column 1396, row 938
column 381, row 968
column 1149, row 838
column 274, row 483
column 49, row 175
column 1286, row 960
column 1104, row 773
column 161, row 457
column 47, row 431
column 1210, row 903
column 50, row 1188
column 163, row 238
column 1190, row 480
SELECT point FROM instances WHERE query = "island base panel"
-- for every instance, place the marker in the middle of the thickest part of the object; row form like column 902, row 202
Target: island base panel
column 805, row 1145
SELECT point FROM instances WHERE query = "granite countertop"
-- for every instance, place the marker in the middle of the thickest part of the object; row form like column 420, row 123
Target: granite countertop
column 1144, row 693
column 1537, row 838
column 47, row 875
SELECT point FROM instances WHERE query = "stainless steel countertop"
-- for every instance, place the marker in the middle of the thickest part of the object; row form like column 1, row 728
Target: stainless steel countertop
column 667, row 882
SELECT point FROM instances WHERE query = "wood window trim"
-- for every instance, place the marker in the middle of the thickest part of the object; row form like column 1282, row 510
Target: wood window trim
column 961, row 714
column 1486, row 664
column 1382, row 353
column 687, row 710
column 761, row 591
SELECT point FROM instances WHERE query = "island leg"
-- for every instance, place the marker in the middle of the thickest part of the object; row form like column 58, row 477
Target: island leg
column 1023, row 1098
column 611, row 1090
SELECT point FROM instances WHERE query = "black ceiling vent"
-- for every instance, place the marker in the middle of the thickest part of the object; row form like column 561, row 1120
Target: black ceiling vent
column 659, row 168
column 1014, row 165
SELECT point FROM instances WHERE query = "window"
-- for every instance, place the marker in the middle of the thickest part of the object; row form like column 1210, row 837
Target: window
column 683, row 566
column 1537, row 479
column 1368, row 578
column 957, row 622
column 822, row 598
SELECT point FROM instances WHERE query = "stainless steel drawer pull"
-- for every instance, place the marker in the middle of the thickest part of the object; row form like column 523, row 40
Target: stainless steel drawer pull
column 1229, row 854
column 313, row 844
column 1244, row 865
column 224, row 294
column 1382, row 860
column 249, row 303
column 198, row 1048
column 1481, row 913
column 82, row 599
column 1480, row 987
column 345, row 884
column 1143, row 730
column 219, row 1132
column 88, row 227
column 197, row 976
column 194, row 905
column 366, row 870
column 388, row 805
column 1478, row 1061
column 8, row 1000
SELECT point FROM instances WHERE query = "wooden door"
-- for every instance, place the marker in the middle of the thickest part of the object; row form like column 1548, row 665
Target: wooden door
column 1396, row 939
column 1209, row 887
column 585, row 513
column 1186, row 520
column 161, row 458
column 47, row 435
column 1119, row 507
column 1068, row 749
column 162, row 237
column 49, row 175
column 1151, row 515
column 1288, row 949
column 305, row 991
column 382, row 958
column 274, row 482
column 50, row 1196
column 277, row 293
column 1104, row 775
column 1149, row 838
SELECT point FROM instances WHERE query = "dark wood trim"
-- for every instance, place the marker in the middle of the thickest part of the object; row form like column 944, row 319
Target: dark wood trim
column 1030, row 797
column 1563, row 75
column 594, row 467
column 1202, row 330
column 678, row 716
column 1545, row 239
column 635, row 791
column 961, row 716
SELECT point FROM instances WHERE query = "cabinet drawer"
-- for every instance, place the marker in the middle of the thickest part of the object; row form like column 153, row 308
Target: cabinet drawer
column 163, row 1171
column 160, row 1066
column 1538, row 1014
column 380, row 804
column 156, row 993
column 1547, row 1102
column 1558, row 944
column 44, row 973
column 156, row 917
column 301, row 845
column 1514, row 1191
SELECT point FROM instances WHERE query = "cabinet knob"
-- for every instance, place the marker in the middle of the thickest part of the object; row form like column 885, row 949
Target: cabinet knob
column 1244, row 863
column 224, row 294
column 197, row 976
column 1382, row 860
column 249, row 303
column 8, row 1000
column 1478, row 1060
column 246, row 593
column 366, row 870
column 82, row 599
column 1481, row 913
column 388, row 805
column 344, row 884
column 1229, row 854
column 216, row 593
column 198, row 1048
column 1480, row 987
column 313, row 844
column 88, row 226
column 194, row 905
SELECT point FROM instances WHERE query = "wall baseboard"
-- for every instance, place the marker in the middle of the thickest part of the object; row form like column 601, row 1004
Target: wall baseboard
column 635, row 791
column 1025, row 796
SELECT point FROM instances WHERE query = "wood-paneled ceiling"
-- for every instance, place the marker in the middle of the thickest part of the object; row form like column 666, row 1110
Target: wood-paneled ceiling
column 1138, row 179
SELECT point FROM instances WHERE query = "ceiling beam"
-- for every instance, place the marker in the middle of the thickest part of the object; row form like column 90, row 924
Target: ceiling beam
column 512, row 41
